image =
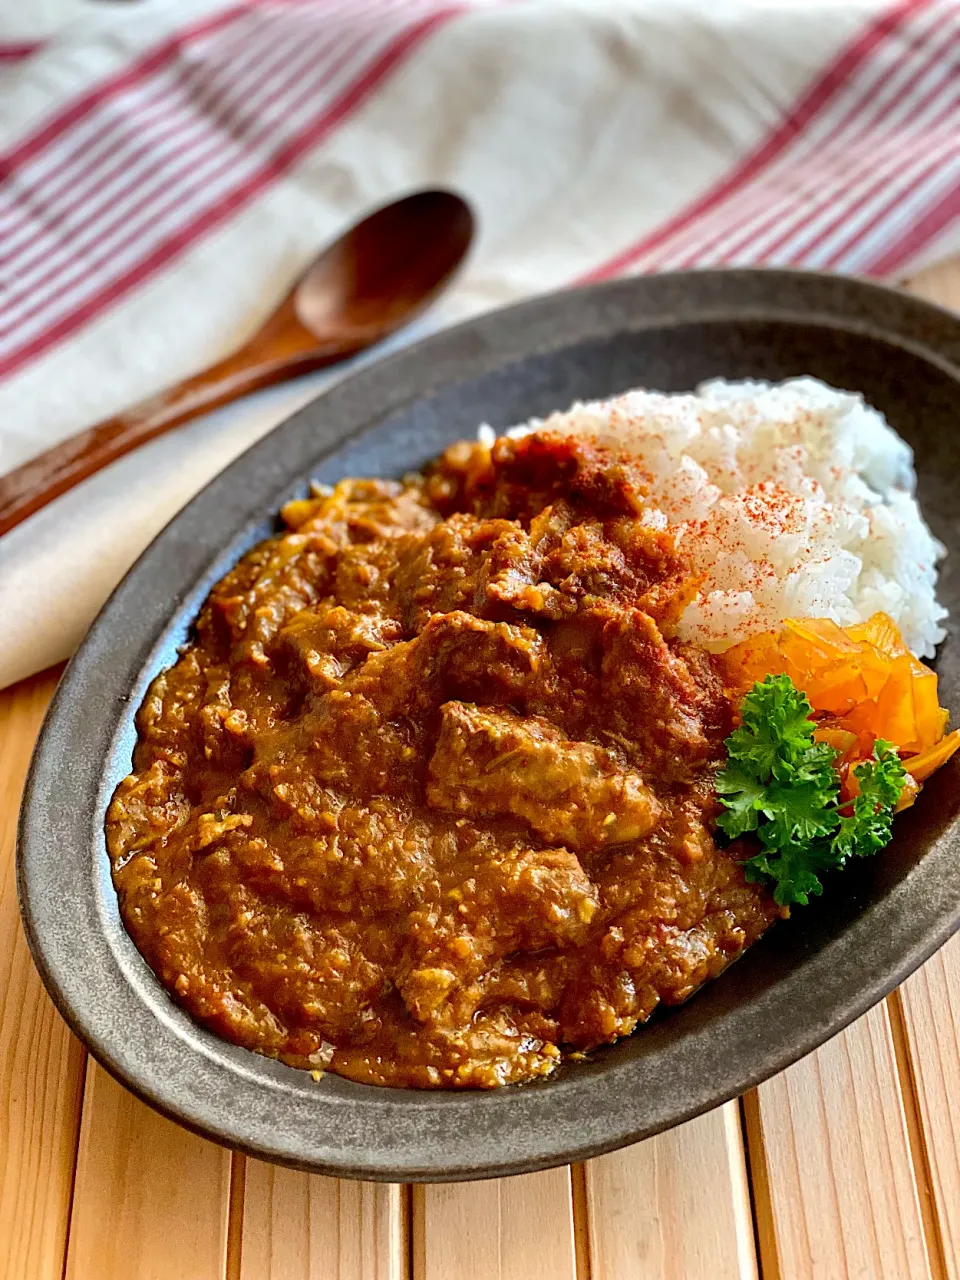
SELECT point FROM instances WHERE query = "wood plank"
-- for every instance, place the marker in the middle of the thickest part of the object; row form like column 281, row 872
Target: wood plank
column 238, row 1179
column 834, row 1184
column 297, row 1226
column 676, row 1207
column 151, row 1199
column 816, row 1098
column 39, row 1080
column 930, row 1001
column 41, row 1064
column 504, row 1229
column 839, row 1187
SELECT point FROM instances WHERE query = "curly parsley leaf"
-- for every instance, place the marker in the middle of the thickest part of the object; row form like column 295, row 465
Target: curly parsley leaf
column 793, row 868
column 743, row 795
column 870, row 826
column 775, row 770
column 775, row 731
column 781, row 784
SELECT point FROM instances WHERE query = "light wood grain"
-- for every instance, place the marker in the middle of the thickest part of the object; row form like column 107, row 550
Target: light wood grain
column 840, row 1171
column 840, row 1193
column 830, row 1156
column 505, row 1229
column 930, row 1001
column 41, row 1064
column 300, row 1227
column 151, row 1200
column 676, row 1207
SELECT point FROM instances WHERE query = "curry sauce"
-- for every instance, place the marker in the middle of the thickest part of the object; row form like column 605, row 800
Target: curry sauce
column 427, row 800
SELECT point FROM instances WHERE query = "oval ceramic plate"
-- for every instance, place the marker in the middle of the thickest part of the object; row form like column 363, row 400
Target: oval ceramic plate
column 803, row 982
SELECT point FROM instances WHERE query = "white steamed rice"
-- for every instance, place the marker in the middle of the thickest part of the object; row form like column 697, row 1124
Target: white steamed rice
column 834, row 531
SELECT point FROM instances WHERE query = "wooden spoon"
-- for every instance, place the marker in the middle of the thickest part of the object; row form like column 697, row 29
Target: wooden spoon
column 370, row 282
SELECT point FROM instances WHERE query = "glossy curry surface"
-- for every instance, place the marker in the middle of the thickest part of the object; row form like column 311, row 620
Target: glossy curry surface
column 428, row 800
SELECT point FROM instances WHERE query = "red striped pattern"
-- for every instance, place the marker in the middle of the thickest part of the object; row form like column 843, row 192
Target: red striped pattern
column 60, row 121
column 16, row 52
column 849, row 178
column 176, row 144
column 112, row 187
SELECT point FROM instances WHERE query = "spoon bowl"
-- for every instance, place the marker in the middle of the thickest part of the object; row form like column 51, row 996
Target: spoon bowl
column 370, row 282
column 387, row 268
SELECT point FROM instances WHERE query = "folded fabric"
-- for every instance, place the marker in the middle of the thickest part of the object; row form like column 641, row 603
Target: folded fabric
column 168, row 167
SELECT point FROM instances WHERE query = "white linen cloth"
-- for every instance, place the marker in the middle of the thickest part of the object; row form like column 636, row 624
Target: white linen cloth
column 169, row 166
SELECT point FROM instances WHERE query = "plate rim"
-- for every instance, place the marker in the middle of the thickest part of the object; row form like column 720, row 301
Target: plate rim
column 683, row 297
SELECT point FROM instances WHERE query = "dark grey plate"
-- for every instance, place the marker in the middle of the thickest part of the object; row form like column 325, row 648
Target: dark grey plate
column 801, row 984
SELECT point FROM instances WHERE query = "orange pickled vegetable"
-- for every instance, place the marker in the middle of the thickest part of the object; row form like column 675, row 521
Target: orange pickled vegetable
column 931, row 718
column 862, row 682
column 921, row 766
column 842, row 740
column 882, row 632
column 911, row 789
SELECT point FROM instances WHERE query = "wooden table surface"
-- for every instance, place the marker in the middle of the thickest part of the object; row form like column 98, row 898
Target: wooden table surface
column 847, row 1164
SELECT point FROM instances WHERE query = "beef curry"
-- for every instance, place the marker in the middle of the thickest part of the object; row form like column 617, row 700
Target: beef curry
column 428, row 798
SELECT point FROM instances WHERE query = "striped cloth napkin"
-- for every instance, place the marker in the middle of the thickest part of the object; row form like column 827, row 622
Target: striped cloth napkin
column 168, row 166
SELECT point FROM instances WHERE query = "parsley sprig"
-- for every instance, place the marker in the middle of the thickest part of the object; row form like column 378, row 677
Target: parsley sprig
column 782, row 785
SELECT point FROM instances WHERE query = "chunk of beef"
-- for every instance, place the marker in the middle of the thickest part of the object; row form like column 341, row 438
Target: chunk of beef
column 430, row 792
column 653, row 701
column 573, row 792
column 519, row 900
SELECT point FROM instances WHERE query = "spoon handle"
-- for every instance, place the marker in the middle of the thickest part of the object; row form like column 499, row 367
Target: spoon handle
column 51, row 473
